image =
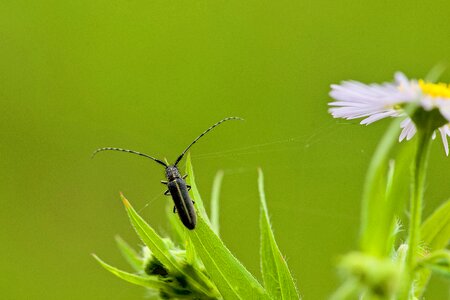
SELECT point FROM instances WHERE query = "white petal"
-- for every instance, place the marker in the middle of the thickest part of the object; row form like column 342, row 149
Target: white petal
column 378, row 116
column 409, row 129
column 444, row 132
column 402, row 135
column 411, row 132
column 427, row 103
column 401, row 79
column 371, row 101
column 445, row 110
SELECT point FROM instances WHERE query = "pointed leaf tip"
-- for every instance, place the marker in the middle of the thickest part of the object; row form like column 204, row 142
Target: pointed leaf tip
column 125, row 201
column 277, row 278
column 96, row 257
column 145, row 281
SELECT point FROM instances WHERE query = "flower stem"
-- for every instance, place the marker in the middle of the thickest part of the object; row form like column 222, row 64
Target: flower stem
column 420, row 165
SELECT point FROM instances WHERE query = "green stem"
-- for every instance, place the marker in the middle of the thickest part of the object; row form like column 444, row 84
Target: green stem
column 423, row 148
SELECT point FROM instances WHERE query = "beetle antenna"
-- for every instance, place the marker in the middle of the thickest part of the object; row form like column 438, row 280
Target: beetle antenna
column 203, row 133
column 129, row 151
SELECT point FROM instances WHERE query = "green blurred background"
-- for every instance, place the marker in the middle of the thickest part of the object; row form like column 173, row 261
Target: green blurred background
column 150, row 76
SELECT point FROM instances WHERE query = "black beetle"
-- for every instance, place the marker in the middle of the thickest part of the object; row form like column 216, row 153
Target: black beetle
column 177, row 187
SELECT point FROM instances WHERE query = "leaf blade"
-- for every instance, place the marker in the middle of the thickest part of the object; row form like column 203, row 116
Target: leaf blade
column 150, row 238
column 278, row 280
column 374, row 204
column 215, row 201
column 438, row 262
column 130, row 255
column 231, row 278
column 436, row 229
column 435, row 233
column 148, row 282
column 194, row 189
column 176, row 226
column 159, row 249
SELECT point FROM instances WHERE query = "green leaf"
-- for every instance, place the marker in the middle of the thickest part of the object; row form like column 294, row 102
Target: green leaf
column 374, row 191
column 130, row 255
column 182, row 237
column 159, row 249
column 278, row 280
column 435, row 233
column 438, row 262
column 196, row 195
column 146, row 281
column 175, row 224
column 231, row 278
column 191, row 255
column 150, row 238
column 215, row 201
column 436, row 229
column 376, row 200
column 397, row 191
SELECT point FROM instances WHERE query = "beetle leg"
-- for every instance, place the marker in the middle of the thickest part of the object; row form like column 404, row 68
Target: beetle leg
column 193, row 202
column 188, row 187
column 164, row 182
column 167, row 193
column 184, row 177
column 174, row 210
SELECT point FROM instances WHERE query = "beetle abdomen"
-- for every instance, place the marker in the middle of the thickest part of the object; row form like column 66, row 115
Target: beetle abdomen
column 183, row 203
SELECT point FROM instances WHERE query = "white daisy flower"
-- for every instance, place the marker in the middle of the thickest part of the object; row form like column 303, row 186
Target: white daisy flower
column 374, row 102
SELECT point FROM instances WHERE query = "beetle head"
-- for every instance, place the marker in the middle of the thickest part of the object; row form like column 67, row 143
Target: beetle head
column 172, row 173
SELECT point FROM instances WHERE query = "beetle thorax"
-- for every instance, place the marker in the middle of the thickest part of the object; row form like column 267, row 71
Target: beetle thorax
column 172, row 173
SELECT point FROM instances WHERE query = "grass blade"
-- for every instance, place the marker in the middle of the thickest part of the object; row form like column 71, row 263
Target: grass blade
column 277, row 278
column 130, row 255
column 148, row 282
column 215, row 201
column 231, row 278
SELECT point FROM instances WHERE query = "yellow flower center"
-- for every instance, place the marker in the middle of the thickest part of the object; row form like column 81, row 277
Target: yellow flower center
column 435, row 90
